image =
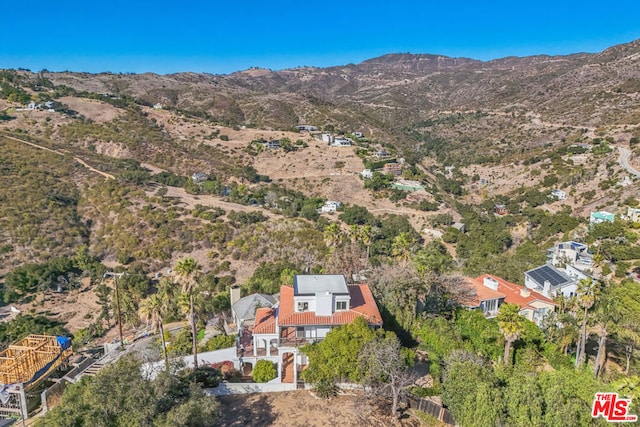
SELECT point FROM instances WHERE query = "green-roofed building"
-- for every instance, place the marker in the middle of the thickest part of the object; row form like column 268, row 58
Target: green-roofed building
column 407, row 185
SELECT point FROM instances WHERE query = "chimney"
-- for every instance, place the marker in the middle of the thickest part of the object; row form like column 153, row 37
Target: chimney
column 234, row 294
column 546, row 289
column 525, row 292
column 490, row 283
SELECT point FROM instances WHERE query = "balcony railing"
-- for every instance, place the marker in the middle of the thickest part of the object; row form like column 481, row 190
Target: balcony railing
column 297, row 342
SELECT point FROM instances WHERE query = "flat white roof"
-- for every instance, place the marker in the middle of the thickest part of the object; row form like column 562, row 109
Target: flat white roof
column 310, row 284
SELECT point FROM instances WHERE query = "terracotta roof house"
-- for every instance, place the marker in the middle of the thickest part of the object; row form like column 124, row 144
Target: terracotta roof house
column 487, row 297
column 394, row 169
column 305, row 314
column 500, row 209
column 491, row 291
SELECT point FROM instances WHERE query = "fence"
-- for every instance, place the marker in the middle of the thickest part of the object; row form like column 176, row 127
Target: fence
column 433, row 409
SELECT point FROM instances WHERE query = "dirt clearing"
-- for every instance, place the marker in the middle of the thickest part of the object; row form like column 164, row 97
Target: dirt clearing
column 301, row 408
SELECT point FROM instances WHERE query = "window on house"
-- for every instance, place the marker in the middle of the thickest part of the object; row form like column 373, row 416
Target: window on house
column 341, row 305
column 300, row 331
column 491, row 305
column 303, row 306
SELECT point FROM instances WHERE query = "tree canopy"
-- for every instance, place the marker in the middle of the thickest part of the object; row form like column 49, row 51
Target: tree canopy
column 119, row 395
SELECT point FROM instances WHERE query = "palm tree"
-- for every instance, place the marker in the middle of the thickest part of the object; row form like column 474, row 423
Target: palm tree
column 187, row 271
column 404, row 244
column 568, row 332
column 588, row 291
column 152, row 311
column 511, row 325
column 333, row 235
column 354, row 233
column 607, row 316
column 366, row 237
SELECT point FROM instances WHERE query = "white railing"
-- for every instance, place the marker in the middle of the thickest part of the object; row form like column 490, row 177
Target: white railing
column 245, row 388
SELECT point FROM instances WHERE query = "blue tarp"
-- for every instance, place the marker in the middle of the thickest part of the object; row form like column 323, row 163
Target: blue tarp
column 64, row 342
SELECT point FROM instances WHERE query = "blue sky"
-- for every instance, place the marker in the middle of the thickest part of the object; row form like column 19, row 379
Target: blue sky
column 222, row 36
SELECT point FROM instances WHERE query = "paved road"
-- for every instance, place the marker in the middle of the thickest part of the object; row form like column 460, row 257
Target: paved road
column 624, row 161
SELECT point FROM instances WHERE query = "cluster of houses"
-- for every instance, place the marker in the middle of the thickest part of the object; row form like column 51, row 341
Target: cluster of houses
column 394, row 169
column 32, row 106
column 567, row 264
column 274, row 327
column 632, row 214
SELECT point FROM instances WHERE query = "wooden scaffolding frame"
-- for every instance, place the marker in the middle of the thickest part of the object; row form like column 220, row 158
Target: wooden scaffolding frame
column 21, row 361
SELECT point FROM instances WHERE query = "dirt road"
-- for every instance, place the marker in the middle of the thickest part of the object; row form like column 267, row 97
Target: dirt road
column 77, row 159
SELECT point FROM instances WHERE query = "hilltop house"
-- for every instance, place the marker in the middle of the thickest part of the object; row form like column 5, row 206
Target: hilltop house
column 329, row 206
column 552, row 281
column 559, row 194
column 492, row 291
column 366, row 174
column 382, row 154
column 633, row 214
column 271, row 145
column 570, row 253
column 306, row 313
column 394, row 169
column 327, row 137
column 199, row 177
column 341, row 141
column 500, row 210
column 306, row 128
column 358, row 134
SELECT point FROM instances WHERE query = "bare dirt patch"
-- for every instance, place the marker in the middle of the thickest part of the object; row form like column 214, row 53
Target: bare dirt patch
column 77, row 308
column 99, row 112
column 301, row 408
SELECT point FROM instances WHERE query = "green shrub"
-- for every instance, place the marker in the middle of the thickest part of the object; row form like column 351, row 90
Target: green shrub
column 264, row 371
column 219, row 342
column 325, row 389
column 181, row 343
column 426, row 391
column 206, row 376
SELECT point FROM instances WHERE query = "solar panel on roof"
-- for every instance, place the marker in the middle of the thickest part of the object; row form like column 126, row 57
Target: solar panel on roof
column 545, row 273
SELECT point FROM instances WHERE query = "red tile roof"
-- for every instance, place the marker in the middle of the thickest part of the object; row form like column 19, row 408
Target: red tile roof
column 483, row 293
column 265, row 322
column 361, row 304
column 512, row 292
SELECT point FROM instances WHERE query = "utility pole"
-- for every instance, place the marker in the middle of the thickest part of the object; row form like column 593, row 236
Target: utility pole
column 116, row 276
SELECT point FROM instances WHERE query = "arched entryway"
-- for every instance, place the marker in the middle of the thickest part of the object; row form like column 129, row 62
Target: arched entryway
column 288, row 370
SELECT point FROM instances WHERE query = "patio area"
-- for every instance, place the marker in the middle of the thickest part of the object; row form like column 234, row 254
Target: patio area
column 245, row 345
